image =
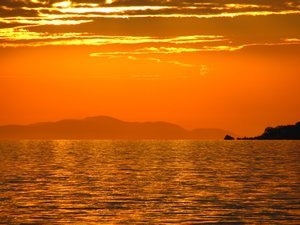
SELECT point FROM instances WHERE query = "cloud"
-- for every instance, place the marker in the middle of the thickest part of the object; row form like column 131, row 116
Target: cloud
column 292, row 40
column 147, row 50
column 202, row 69
column 21, row 36
column 40, row 21
column 141, row 55
column 41, row 12
column 157, row 60
column 165, row 50
column 32, row 22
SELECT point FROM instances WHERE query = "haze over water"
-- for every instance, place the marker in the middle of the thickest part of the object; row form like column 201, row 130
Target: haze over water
column 149, row 182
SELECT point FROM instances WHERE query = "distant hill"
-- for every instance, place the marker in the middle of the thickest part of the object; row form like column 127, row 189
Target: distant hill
column 104, row 127
column 288, row 132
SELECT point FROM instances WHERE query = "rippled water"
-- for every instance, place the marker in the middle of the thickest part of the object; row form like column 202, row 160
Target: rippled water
column 149, row 182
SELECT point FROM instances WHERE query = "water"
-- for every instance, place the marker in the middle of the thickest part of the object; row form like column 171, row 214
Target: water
column 149, row 182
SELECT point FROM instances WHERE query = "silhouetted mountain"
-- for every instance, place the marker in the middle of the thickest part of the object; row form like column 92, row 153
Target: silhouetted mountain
column 288, row 132
column 104, row 127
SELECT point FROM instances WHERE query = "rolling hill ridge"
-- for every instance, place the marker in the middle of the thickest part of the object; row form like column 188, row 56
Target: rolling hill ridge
column 105, row 127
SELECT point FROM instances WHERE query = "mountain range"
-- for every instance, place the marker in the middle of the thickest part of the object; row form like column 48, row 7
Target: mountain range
column 105, row 127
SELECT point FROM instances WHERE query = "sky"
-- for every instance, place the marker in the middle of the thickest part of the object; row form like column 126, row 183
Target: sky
column 230, row 64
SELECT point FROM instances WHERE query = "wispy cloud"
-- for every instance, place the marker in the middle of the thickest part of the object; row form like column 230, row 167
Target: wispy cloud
column 21, row 36
column 56, row 12
column 152, row 55
column 157, row 60
column 292, row 40
column 40, row 21
column 19, row 17
column 166, row 50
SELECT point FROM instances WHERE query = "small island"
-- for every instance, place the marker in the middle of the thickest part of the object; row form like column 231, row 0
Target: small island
column 287, row 132
column 228, row 137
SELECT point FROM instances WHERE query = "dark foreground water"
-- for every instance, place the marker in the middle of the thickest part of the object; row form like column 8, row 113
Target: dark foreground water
column 149, row 182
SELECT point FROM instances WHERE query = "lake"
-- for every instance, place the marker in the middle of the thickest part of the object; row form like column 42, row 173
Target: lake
column 149, row 182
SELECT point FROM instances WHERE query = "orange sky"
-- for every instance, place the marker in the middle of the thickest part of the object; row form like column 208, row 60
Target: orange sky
column 211, row 64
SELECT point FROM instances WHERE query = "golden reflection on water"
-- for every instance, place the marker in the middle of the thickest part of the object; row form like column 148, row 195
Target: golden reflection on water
column 149, row 182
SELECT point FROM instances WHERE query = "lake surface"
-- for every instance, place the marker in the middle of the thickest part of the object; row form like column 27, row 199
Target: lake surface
column 149, row 182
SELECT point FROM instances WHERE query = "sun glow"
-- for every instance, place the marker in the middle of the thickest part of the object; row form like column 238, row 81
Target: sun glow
column 109, row 1
column 64, row 4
